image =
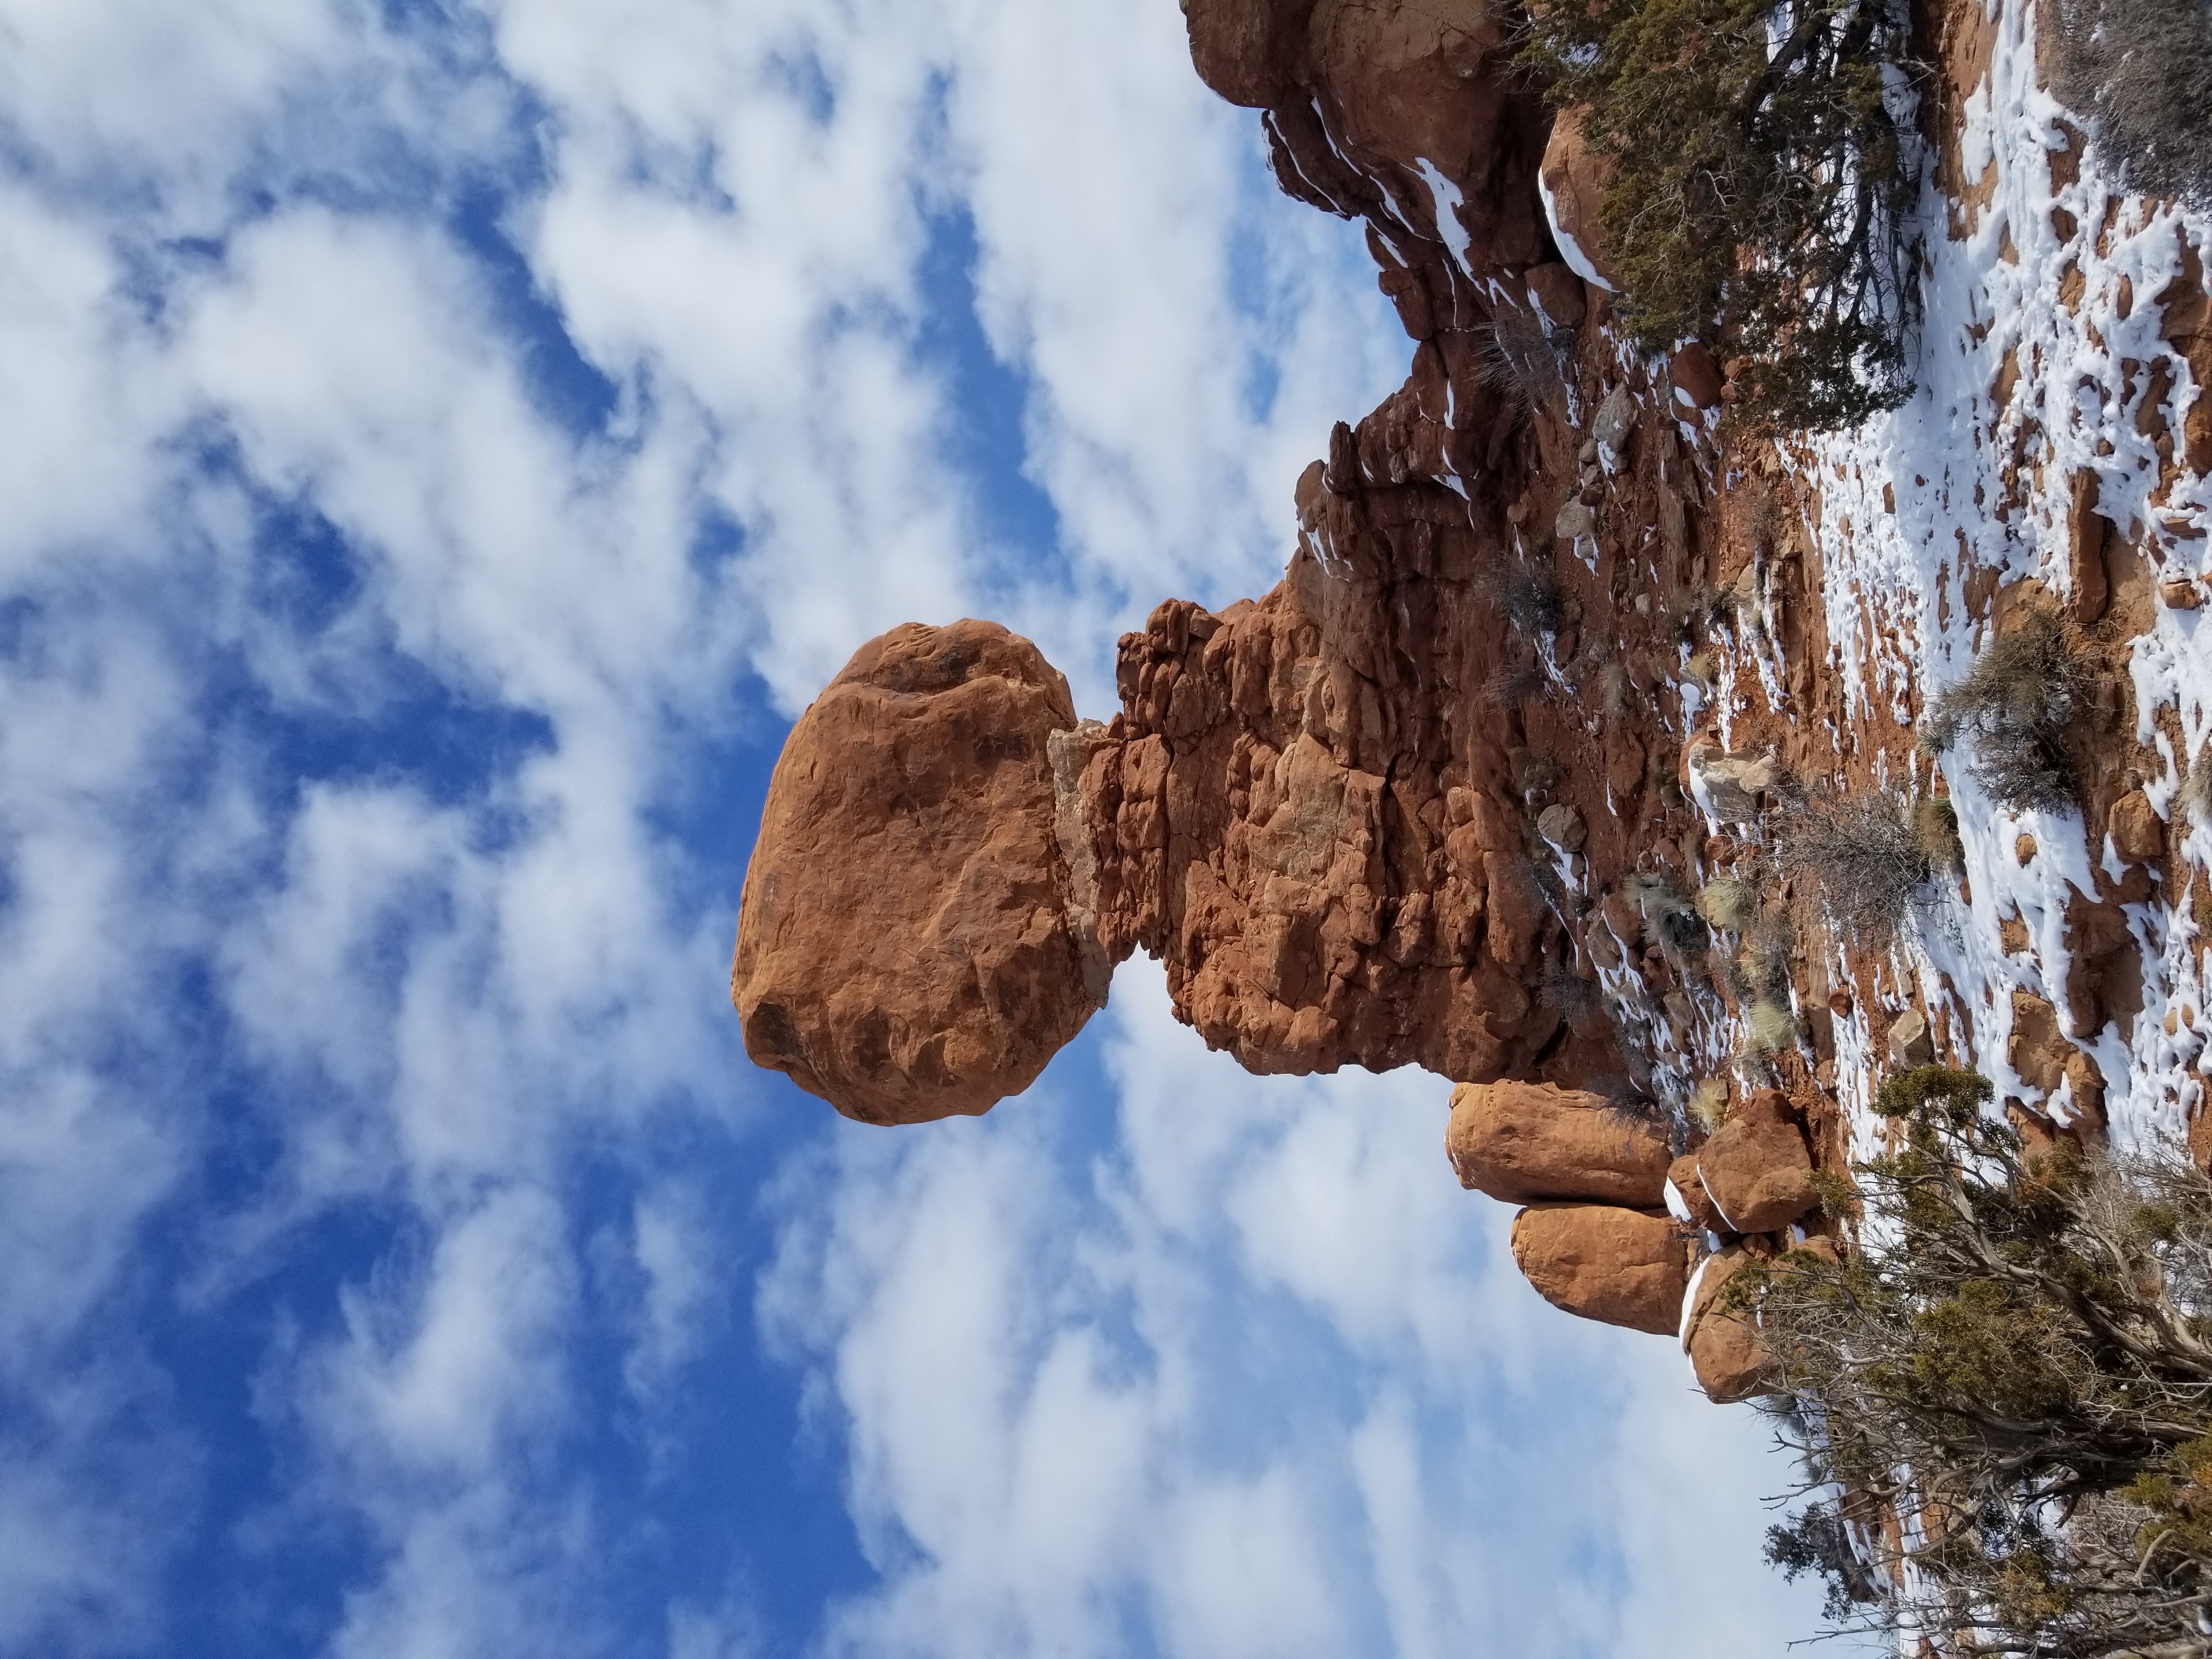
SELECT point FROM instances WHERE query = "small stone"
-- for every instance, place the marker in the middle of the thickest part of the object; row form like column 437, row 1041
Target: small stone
column 1616, row 419
column 2180, row 593
column 2138, row 835
column 2023, row 850
column 1576, row 522
column 1911, row 1042
column 1839, row 1003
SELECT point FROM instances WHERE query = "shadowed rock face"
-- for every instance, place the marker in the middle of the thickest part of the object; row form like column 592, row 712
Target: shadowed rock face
column 904, row 947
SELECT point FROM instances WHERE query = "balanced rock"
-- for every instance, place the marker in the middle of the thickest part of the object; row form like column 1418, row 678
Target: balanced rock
column 1620, row 1267
column 1756, row 1168
column 904, row 946
column 1522, row 1142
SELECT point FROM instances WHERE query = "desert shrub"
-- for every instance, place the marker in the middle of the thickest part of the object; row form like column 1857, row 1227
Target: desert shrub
column 1926, row 1089
column 1564, row 993
column 2010, row 1387
column 1860, row 854
column 1727, row 904
column 1510, row 683
column 1935, row 832
column 1761, row 190
column 1520, row 361
column 2014, row 706
column 2141, row 70
column 1531, row 601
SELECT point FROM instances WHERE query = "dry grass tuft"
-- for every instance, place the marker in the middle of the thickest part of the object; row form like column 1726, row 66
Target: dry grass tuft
column 1728, row 904
column 1935, row 832
column 1709, row 1105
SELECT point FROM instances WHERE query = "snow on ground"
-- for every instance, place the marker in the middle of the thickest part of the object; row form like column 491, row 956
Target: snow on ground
column 2042, row 347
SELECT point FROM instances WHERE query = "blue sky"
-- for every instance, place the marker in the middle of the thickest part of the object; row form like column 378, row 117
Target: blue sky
column 445, row 446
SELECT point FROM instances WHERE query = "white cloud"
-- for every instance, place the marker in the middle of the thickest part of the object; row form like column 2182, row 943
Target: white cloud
column 1245, row 1374
column 1297, row 1399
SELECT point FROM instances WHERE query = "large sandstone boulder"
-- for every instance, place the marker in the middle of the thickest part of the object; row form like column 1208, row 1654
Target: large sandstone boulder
column 1526, row 1141
column 1723, row 1343
column 1573, row 178
column 1248, row 50
column 1619, row 1267
column 1756, row 1168
column 904, row 948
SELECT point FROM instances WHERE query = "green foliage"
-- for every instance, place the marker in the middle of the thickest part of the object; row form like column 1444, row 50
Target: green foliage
column 2010, row 1386
column 2015, row 704
column 1944, row 1092
column 1840, row 1200
column 1760, row 187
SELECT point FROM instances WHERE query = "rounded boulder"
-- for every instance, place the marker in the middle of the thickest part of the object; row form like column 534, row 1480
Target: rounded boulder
column 905, row 949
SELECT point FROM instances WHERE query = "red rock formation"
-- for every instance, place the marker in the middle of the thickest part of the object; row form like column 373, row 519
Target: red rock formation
column 1756, row 1167
column 1522, row 1142
column 1426, row 803
column 1690, row 1193
column 1723, row 1343
column 903, row 945
column 1625, row 1268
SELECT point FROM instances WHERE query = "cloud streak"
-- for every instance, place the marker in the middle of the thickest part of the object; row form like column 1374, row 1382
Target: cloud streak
column 442, row 443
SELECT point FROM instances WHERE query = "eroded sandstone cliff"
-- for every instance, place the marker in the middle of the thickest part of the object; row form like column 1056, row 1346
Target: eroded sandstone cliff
column 1549, row 652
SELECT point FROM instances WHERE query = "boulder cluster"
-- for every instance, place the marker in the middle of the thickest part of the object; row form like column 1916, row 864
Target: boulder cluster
column 1614, row 1222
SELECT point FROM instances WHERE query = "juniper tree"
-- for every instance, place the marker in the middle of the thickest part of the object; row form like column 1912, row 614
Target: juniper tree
column 2009, row 1386
column 1761, row 188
